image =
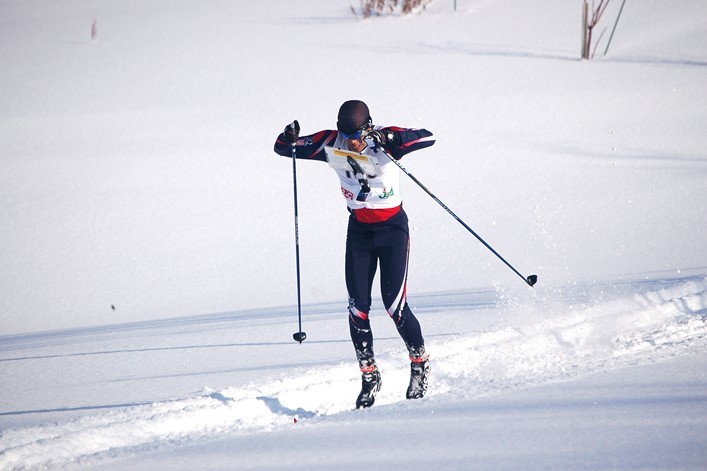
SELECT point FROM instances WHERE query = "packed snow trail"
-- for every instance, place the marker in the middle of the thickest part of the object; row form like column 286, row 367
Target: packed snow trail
column 565, row 342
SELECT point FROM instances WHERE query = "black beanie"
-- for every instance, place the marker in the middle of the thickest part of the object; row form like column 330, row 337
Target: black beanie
column 353, row 115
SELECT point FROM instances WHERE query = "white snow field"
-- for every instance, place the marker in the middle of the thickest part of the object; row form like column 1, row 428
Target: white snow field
column 147, row 289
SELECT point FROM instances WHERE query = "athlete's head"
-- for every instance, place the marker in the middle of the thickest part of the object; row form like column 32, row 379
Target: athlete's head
column 354, row 122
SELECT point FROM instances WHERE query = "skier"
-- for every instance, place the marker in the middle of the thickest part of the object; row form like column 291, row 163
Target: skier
column 377, row 232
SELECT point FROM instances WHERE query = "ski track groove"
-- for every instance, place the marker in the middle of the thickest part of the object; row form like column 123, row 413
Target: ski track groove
column 634, row 329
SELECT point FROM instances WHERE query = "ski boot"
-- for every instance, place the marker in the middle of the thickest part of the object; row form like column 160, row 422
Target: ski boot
column 370, row 385
column 419, row 372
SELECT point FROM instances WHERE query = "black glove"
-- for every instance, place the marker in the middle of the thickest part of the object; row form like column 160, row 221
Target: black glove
column 292, row 132
column 384, row 137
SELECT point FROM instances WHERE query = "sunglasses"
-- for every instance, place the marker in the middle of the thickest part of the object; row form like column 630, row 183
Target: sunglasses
column 358, row 134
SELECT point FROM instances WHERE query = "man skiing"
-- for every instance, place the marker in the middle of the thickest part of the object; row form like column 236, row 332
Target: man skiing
column 377, row 231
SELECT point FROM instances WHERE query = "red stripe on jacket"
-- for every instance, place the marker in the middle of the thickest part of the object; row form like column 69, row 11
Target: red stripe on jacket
column 369, row 216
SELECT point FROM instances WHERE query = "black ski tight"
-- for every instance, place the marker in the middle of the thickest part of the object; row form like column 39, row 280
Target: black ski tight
column 367, row 246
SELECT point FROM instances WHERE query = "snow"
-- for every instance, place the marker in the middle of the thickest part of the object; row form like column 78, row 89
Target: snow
column 147, row 297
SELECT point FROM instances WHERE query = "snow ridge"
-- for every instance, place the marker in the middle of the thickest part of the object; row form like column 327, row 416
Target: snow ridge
column 558, row 345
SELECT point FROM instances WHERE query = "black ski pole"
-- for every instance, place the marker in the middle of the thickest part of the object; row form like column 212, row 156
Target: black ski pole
column 299, row 336
column 531, row 280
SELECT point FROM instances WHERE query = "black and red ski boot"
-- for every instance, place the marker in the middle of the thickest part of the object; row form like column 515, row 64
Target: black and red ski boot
column 419, row 372
column 370, row 385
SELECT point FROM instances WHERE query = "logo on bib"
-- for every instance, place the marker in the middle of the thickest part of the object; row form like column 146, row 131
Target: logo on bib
column 386, row 194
